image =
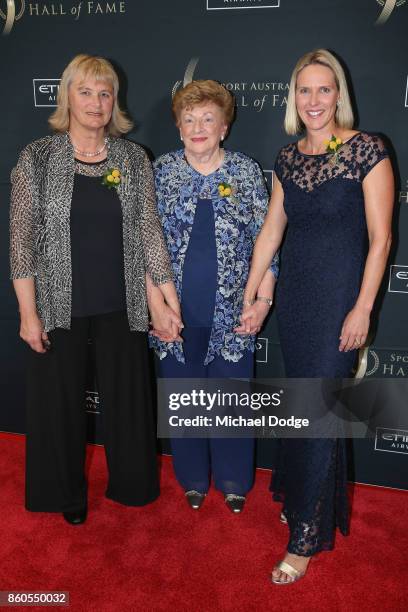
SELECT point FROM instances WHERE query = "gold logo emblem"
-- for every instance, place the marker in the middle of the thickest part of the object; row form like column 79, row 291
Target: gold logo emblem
column 10, row 16
column 387, row 7
column 188, row 75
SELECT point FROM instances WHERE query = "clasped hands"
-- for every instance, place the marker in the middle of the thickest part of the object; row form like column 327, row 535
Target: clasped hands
column 166, row 323
column 252, row 318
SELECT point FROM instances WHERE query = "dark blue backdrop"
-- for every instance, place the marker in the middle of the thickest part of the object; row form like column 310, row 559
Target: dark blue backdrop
column 251, row 46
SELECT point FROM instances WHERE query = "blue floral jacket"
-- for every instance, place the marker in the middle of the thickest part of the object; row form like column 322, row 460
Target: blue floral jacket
column 238, row 219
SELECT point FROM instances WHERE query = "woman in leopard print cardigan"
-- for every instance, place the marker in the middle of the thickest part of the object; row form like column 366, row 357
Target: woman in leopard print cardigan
column 86, row 246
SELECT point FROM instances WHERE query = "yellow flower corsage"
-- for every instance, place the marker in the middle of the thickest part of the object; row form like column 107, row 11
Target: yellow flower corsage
column 112, row 178
column 333, row 146
column 225, row 190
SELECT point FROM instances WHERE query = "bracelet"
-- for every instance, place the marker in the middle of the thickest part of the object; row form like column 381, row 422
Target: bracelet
column 266, row 300
column 248, row 302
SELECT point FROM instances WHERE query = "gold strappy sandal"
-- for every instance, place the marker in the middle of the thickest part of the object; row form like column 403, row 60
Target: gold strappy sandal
column 290, row 571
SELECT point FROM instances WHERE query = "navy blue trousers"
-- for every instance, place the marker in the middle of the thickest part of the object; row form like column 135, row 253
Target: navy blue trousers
column 229, row 461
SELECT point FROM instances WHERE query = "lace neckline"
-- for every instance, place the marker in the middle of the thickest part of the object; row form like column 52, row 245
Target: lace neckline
column 326, row 152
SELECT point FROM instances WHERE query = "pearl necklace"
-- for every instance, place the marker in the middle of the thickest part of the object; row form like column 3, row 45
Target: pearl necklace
column 87, row 154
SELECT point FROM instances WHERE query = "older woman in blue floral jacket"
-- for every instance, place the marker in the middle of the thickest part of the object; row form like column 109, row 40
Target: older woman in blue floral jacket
column 212, row 203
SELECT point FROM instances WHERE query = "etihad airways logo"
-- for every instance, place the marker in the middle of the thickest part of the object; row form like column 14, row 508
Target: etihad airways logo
column 45, row 92
column 92, row 402
column 391, row 440
column 387, row 8
column 15, row 9
column 398, row 282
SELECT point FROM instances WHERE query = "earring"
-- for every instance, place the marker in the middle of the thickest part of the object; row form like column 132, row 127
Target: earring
column 338, row 103
column 222, row 138
column 181, row 138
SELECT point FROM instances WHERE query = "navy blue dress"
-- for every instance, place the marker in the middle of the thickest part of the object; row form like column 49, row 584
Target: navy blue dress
column 200, row 269
column 322, row 262
column 229, row 460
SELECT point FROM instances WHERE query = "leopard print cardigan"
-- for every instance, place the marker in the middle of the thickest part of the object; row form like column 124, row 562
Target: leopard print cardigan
column 42, row 185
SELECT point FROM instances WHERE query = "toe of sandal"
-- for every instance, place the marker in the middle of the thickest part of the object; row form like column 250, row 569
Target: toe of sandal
column 291, row 571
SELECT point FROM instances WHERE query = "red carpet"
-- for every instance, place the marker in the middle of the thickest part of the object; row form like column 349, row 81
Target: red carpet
column 167, row 557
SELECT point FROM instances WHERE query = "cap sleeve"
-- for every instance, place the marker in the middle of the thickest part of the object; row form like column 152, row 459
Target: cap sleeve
column 374, row 150
column 278, row 167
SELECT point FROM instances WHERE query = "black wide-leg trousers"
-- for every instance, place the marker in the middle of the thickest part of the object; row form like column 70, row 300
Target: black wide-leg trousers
column 56, row 418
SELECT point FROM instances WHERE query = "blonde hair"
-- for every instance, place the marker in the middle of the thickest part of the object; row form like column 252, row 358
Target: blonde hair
column 97, row 68
column 201, row 91
column 344, row 114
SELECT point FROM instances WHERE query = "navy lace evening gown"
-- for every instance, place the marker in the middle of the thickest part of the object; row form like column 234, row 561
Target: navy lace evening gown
column 323, row 259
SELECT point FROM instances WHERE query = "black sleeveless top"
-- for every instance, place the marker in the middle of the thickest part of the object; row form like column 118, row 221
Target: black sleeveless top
column 98, row 281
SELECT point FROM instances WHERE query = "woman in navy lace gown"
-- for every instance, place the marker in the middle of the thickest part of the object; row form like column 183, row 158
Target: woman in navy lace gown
column 336, row 204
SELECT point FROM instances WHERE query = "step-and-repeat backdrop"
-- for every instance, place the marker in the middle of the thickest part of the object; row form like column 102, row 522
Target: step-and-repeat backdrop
column 251, row 47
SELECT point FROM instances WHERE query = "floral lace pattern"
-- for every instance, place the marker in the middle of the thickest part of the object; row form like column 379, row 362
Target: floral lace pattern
column 355, row 158
column 317, row 504
column 323, row 261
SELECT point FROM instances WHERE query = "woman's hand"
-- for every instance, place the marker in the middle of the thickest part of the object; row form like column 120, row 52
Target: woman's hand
column 166, row 324
column 252, row 318
column 169, row 293
column 355, row 329
column 164, row 311
column 31, row 327
column 32, row 332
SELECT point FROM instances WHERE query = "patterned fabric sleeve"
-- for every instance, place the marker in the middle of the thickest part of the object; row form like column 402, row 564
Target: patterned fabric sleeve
column 260, row 208
column 157, row 258
column 158, row 183
column 373, row 150
column 23, row 220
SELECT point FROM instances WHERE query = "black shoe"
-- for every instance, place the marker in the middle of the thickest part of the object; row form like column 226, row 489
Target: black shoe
column 235, row 502
column 195, row 499
column 77, row 517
